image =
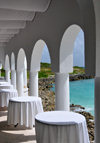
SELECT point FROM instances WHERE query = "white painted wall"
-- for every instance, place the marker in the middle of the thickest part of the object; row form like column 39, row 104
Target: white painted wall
column 97, row 13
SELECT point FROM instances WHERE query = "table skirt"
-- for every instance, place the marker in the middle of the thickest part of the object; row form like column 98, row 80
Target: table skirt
column 76, row 133
column 5, row 96
column 25, row 91
column 6, row 86
column 24, row 112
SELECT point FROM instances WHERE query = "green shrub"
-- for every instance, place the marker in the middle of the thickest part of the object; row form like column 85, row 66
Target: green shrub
column 43, row 74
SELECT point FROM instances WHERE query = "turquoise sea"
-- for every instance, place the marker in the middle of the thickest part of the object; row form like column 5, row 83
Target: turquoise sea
column 82, row 93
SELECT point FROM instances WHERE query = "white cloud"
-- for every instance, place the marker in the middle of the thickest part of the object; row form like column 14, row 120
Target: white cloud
column 45, row 55
column 78, row 53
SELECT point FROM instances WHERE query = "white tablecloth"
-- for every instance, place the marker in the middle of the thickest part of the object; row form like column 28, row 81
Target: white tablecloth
column 61, row 127
column 23, row 109
column 25, row 91
column 2, row 78
column 5, row 95
column 4, row 83
column 6, row 86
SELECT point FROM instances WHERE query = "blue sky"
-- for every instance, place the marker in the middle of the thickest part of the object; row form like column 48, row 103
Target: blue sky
column 78, row 53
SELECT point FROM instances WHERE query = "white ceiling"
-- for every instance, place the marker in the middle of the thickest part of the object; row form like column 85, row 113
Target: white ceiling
column 15, row 13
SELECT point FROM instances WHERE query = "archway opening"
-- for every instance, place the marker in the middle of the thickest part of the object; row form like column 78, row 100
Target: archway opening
column 72, row 61
column 79, row 52
column 45, row 66
column 2, row 71
column 41, row 65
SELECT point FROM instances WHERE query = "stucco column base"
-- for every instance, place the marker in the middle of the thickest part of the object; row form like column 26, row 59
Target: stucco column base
column 97, row 109
column 62, row 91
column 20, row 84
column 13, row 78
column 7, row 72
column 33, row 84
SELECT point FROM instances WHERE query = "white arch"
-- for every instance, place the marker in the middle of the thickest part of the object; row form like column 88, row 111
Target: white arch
column 7, row 63
column 12, row 61
column 36, row 55
column 25, row 63
column 66, row 66
column 35, row 67
column 21, row 72
column 21, row 60
column 13, row 71
column 66, row 48
column 7, row 68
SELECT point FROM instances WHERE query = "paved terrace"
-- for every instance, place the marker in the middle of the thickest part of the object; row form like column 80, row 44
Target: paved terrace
column 10, row 134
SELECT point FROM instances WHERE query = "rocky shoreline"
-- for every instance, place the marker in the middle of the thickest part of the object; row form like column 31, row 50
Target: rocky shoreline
column 48, row 100
column 72, row 77
column 79, row 77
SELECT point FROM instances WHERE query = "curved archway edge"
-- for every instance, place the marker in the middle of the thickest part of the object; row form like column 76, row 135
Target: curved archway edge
column 21, row 60
column 66, row 48
column 37, row 55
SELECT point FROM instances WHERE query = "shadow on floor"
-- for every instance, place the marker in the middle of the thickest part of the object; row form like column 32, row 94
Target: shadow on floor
column 2, row 113
column 15, row 138
column 11, row 134
column 3, row 108
column 5, row 126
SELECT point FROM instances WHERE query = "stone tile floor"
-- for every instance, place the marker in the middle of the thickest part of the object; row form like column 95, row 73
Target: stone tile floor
column 10, row 134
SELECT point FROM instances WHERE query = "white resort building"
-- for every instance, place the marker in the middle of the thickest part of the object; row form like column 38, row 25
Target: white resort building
column 26, row 26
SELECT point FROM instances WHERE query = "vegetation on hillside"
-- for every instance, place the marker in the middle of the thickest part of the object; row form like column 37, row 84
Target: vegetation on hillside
column 78, row 70
column 2, row 72
column 46, row 71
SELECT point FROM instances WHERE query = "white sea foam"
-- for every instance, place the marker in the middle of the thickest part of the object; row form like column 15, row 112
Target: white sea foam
column 88, row 109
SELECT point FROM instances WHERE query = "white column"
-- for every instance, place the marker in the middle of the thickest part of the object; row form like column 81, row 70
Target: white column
column 25, row 78
column 13, row 78
column 62, row 91
column 7, row 72
column 33, row 84
column 20, row 84
column 97, row 109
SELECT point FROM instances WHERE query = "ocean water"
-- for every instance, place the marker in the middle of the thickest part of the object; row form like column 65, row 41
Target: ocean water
column 82, row 93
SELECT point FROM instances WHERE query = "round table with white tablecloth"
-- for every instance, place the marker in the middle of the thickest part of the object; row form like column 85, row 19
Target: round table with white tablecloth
column 22, row 110
column 6, row 86
column 4, row 83
column 25, row 91
column 2, row 78
column 61, row 127
column 5, row 95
